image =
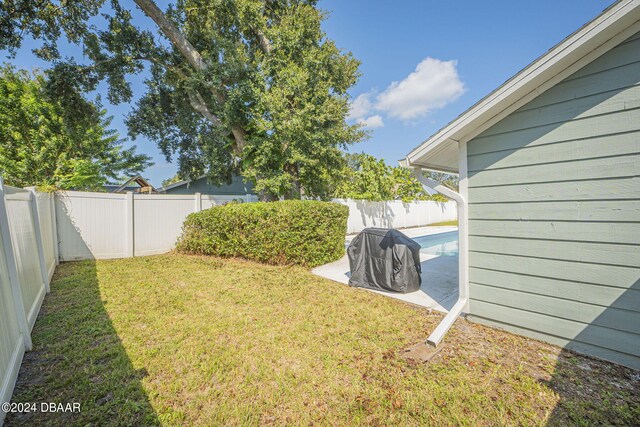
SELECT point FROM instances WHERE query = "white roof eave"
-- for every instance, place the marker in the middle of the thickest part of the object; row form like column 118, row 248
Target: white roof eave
column 617, row 23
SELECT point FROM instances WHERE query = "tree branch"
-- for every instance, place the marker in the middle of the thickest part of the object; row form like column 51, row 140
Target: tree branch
column 265, row 44
column 198, row 104
column 173, row 34
column 194, row 58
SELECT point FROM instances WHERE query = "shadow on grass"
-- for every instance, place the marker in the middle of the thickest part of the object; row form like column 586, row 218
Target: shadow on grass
column 77, row 357
column 594, row 392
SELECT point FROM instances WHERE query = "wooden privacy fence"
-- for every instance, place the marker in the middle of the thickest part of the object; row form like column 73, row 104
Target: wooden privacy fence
column 28, row 257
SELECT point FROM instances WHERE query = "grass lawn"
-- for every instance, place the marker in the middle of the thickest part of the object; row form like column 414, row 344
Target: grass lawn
column 445, row 223
column 186, row 340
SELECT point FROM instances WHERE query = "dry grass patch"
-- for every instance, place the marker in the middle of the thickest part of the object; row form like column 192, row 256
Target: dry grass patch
column 453, row 223
column 186, row 340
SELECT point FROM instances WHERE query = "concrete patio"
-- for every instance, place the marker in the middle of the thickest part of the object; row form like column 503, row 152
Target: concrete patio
column 439, row 290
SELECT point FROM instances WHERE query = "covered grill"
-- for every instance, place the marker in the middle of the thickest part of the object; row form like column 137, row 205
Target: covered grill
column 385, row 260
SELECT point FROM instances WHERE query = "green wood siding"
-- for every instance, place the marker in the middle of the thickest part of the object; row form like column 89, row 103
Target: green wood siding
column 554, row 208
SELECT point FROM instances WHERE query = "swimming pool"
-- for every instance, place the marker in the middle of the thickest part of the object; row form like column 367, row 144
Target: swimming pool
column 445, row 244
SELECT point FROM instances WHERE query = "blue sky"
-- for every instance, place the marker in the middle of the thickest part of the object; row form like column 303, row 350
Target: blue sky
column 423, row 62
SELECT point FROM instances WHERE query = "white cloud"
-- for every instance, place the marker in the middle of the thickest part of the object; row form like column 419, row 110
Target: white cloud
column 432, row 85
column 371, row 122
column 360, row 106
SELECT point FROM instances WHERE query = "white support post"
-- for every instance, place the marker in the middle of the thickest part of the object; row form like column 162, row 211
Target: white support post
column 33, row 201
column 463, row 256
column 248, row 198
column 130, row 226
column 463, row 225
column 14, row 279
column 384, row 215
column 198, row 200
column 54, row 228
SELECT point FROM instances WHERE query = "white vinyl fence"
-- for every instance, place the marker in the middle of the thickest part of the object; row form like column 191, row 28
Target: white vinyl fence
column 37, row 230
column 396, row 213
column 28, row 257
column 107, row 225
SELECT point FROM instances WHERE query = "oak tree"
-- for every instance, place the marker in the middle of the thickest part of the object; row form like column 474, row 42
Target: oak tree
column 248, row 86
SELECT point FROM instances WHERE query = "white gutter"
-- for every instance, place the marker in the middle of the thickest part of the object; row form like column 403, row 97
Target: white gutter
column 463, row 243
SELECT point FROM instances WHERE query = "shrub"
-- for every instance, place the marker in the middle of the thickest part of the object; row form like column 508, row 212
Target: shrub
column 301, row 232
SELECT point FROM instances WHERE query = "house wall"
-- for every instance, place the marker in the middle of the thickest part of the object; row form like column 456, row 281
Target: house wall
column 554, row 207
column 201, row 185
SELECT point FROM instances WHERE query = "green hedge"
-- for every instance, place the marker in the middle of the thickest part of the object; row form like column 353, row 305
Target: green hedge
column 301, row 232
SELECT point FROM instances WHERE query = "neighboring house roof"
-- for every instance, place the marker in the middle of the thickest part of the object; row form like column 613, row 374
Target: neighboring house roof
column 614, row 25
column 179, row 184
column 144, row 185
column 112, row 187
column 202, row 185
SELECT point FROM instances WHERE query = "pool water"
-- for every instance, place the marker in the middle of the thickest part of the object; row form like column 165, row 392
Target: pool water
column 445, row 244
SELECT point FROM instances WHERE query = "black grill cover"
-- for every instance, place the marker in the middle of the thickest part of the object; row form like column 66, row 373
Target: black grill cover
column 384, row 259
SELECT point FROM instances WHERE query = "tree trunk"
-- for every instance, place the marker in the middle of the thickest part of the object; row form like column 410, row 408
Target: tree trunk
column 296, row 189
column 180, row 42
column 267, row 197
column 198, row 104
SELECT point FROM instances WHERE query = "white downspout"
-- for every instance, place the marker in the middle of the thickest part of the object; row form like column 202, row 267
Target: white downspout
column 463, row 243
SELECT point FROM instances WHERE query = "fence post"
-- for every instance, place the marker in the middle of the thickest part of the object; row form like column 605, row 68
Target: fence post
column 38, row 231
column 385, row 218
column 130, row 226
column 198, row 198
column 14, row 279
column 54, row 227
column 248, row 197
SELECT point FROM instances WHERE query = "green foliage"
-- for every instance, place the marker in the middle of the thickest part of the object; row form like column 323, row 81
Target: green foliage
column 365, row 177
column 301, row 232
column 368, row 178
column 267, row 98
column 172, row 180
column 438, row 198
column 405, row 185
column 300, row 92
column 46, row 21
column 44, row 143
column 447, row 179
